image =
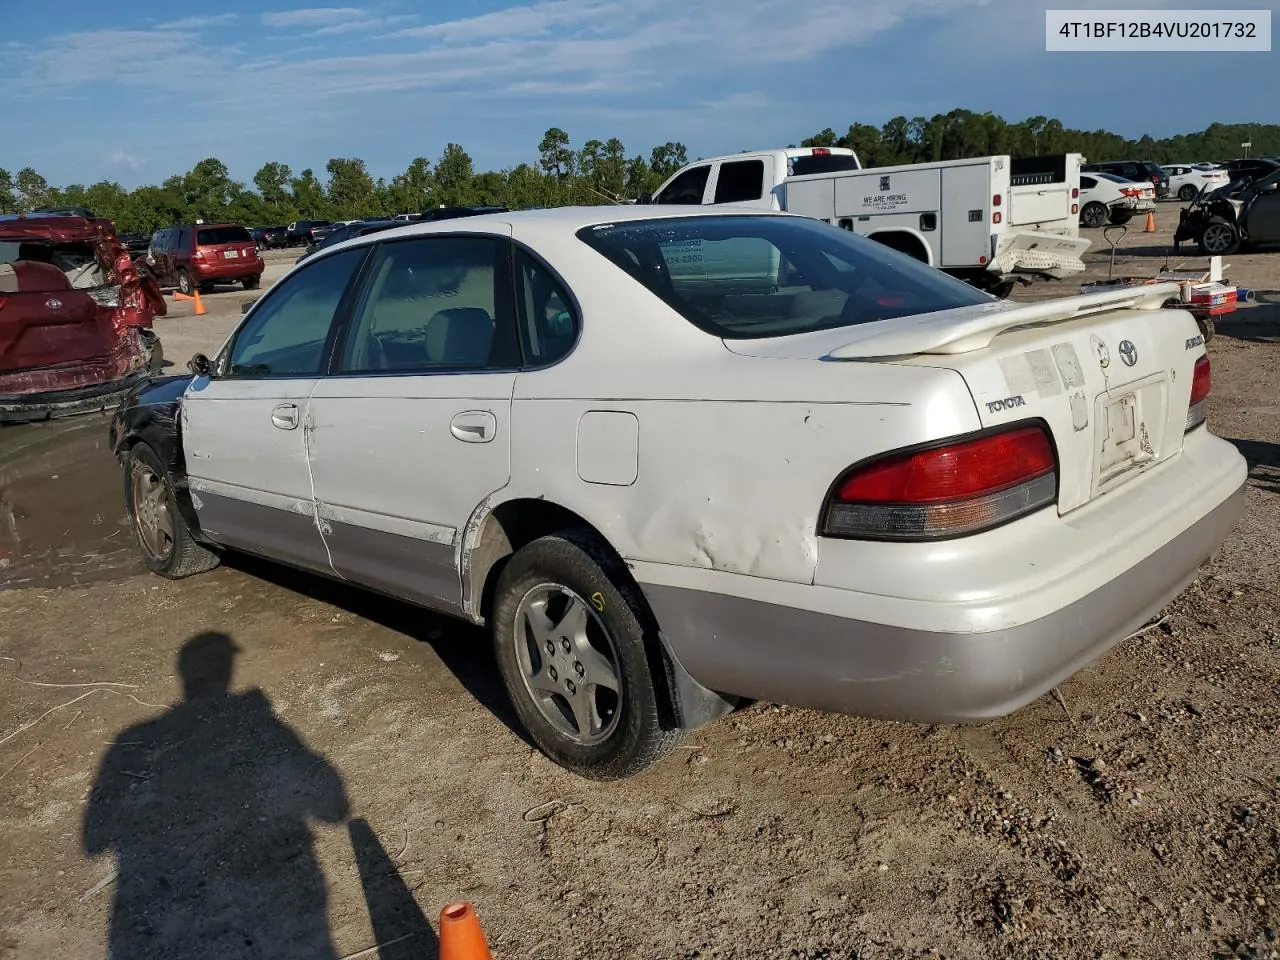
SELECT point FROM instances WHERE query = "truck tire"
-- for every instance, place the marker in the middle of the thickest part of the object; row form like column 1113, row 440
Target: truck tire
column 1094, row 214
column 572, row 639
column 1218, row 238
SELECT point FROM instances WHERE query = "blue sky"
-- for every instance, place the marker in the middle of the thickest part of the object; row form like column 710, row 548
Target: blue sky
column 136, row 92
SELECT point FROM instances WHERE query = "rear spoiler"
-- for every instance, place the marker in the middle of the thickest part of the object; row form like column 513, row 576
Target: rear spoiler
column 973, row 328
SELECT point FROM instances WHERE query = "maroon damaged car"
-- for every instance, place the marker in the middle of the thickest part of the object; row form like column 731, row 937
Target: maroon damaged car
column 75, row 317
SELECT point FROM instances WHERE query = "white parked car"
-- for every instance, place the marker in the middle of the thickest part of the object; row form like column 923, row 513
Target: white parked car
column 1106, row 198
column 675, row 457
column 1186, row 180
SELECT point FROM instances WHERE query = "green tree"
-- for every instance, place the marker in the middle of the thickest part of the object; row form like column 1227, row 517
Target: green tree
column 8, row 195
column 827, row 138
column 454, row 175
column 33, row 189
column 351, row 190
column 667, row 159
column 410, row 192
column 308, row 196
column 555, row 156
column 272, row 181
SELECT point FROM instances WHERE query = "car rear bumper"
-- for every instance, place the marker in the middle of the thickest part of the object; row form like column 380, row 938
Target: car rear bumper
column 227, row 269
column 1040, row 253
column 831, row 649
column 79, row 387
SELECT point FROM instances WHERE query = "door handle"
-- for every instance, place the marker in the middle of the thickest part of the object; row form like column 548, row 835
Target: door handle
column 474, row 426
column 285, row 416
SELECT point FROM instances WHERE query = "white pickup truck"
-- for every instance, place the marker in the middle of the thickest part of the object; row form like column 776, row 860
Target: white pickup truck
column 987, row 220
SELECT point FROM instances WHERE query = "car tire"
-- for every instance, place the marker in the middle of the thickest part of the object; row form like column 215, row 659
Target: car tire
column 163, row 537
column 251, row 283
column 185, row 284
column 1206, row 327
column 1094, row 214
column 566, row 611
column 1119, row 219
column 1187, row 193
column 1218, row 238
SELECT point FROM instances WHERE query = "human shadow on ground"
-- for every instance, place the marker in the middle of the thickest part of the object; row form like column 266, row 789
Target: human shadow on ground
column 207, row 809
column 465, row 649
column 1264, row 462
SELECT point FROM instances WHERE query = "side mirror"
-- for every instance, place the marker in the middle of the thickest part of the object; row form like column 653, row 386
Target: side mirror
column 199, row 365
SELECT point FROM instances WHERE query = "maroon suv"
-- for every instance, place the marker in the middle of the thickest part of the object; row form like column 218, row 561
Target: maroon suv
column 198, row 256
column 75, row 317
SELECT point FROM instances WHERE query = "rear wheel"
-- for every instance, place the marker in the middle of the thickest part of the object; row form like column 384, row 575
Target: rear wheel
column 250, row 283
column 1187, row 193
column 185, row 283
column 569, row 632
column 1094, row 214
column 163, row 536
column 1219, row 238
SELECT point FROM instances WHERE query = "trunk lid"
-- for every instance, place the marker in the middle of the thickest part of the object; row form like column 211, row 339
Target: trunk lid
column 1109, row 373
column 39, row 329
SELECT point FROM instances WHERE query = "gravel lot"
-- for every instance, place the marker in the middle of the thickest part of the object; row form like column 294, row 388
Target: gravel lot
column 364, row 768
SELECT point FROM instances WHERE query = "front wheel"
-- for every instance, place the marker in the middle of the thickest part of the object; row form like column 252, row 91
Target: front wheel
column 1094, row 214
column 569, row 632
column 185, row 283
column 1219, row 238
column 1187, row 193
column 167, row 546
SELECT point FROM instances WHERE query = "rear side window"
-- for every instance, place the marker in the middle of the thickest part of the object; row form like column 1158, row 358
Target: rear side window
column 686, row 188
column 548, row 324
column 819, row 163
column 213, row 236
column 744, row 277
column 739, row 181
column 1087, row 183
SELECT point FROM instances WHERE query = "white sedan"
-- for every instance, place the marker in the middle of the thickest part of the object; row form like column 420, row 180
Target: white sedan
column 1106, row 198
column 675, row 459
column 1186, row 181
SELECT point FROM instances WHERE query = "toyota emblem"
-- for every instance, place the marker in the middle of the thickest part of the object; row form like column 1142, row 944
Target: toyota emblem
column 1128, row 352
column 53, row 303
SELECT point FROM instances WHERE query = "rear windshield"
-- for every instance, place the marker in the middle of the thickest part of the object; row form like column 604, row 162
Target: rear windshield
column 748, row 277
column 216, row 235
column 803, row 166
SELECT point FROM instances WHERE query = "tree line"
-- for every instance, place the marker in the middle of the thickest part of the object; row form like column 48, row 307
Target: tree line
column 595, row 173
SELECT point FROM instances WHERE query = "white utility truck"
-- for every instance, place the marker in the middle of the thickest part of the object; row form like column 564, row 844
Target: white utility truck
column 987, row 220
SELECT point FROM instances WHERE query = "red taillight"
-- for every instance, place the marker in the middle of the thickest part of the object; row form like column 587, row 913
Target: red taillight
column 1075, row 193
column 995, row 200
column 198, row 255
column 995, row 217
column 949, row 490
column 821, row 152
column 1200, row 384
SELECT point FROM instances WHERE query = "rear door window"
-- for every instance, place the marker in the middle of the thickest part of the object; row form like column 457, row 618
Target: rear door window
column 739, row 181
column 687, row 188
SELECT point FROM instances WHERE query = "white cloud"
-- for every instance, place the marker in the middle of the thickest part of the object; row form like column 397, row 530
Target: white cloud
column 198, row 23
column 119, row 158
column 311, row 16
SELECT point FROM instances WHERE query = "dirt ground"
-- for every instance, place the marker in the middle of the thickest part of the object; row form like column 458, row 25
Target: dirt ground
column 363, row 768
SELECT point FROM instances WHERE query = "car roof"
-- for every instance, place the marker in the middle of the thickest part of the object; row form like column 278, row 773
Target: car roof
column 575, row 218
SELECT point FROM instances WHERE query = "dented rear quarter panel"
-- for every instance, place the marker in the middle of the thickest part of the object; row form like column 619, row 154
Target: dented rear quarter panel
column 735, row 454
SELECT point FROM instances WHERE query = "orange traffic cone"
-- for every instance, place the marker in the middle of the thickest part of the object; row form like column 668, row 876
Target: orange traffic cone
column 460, row 935
column 201, row 311
column 179, row 295
column 1151, row 222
